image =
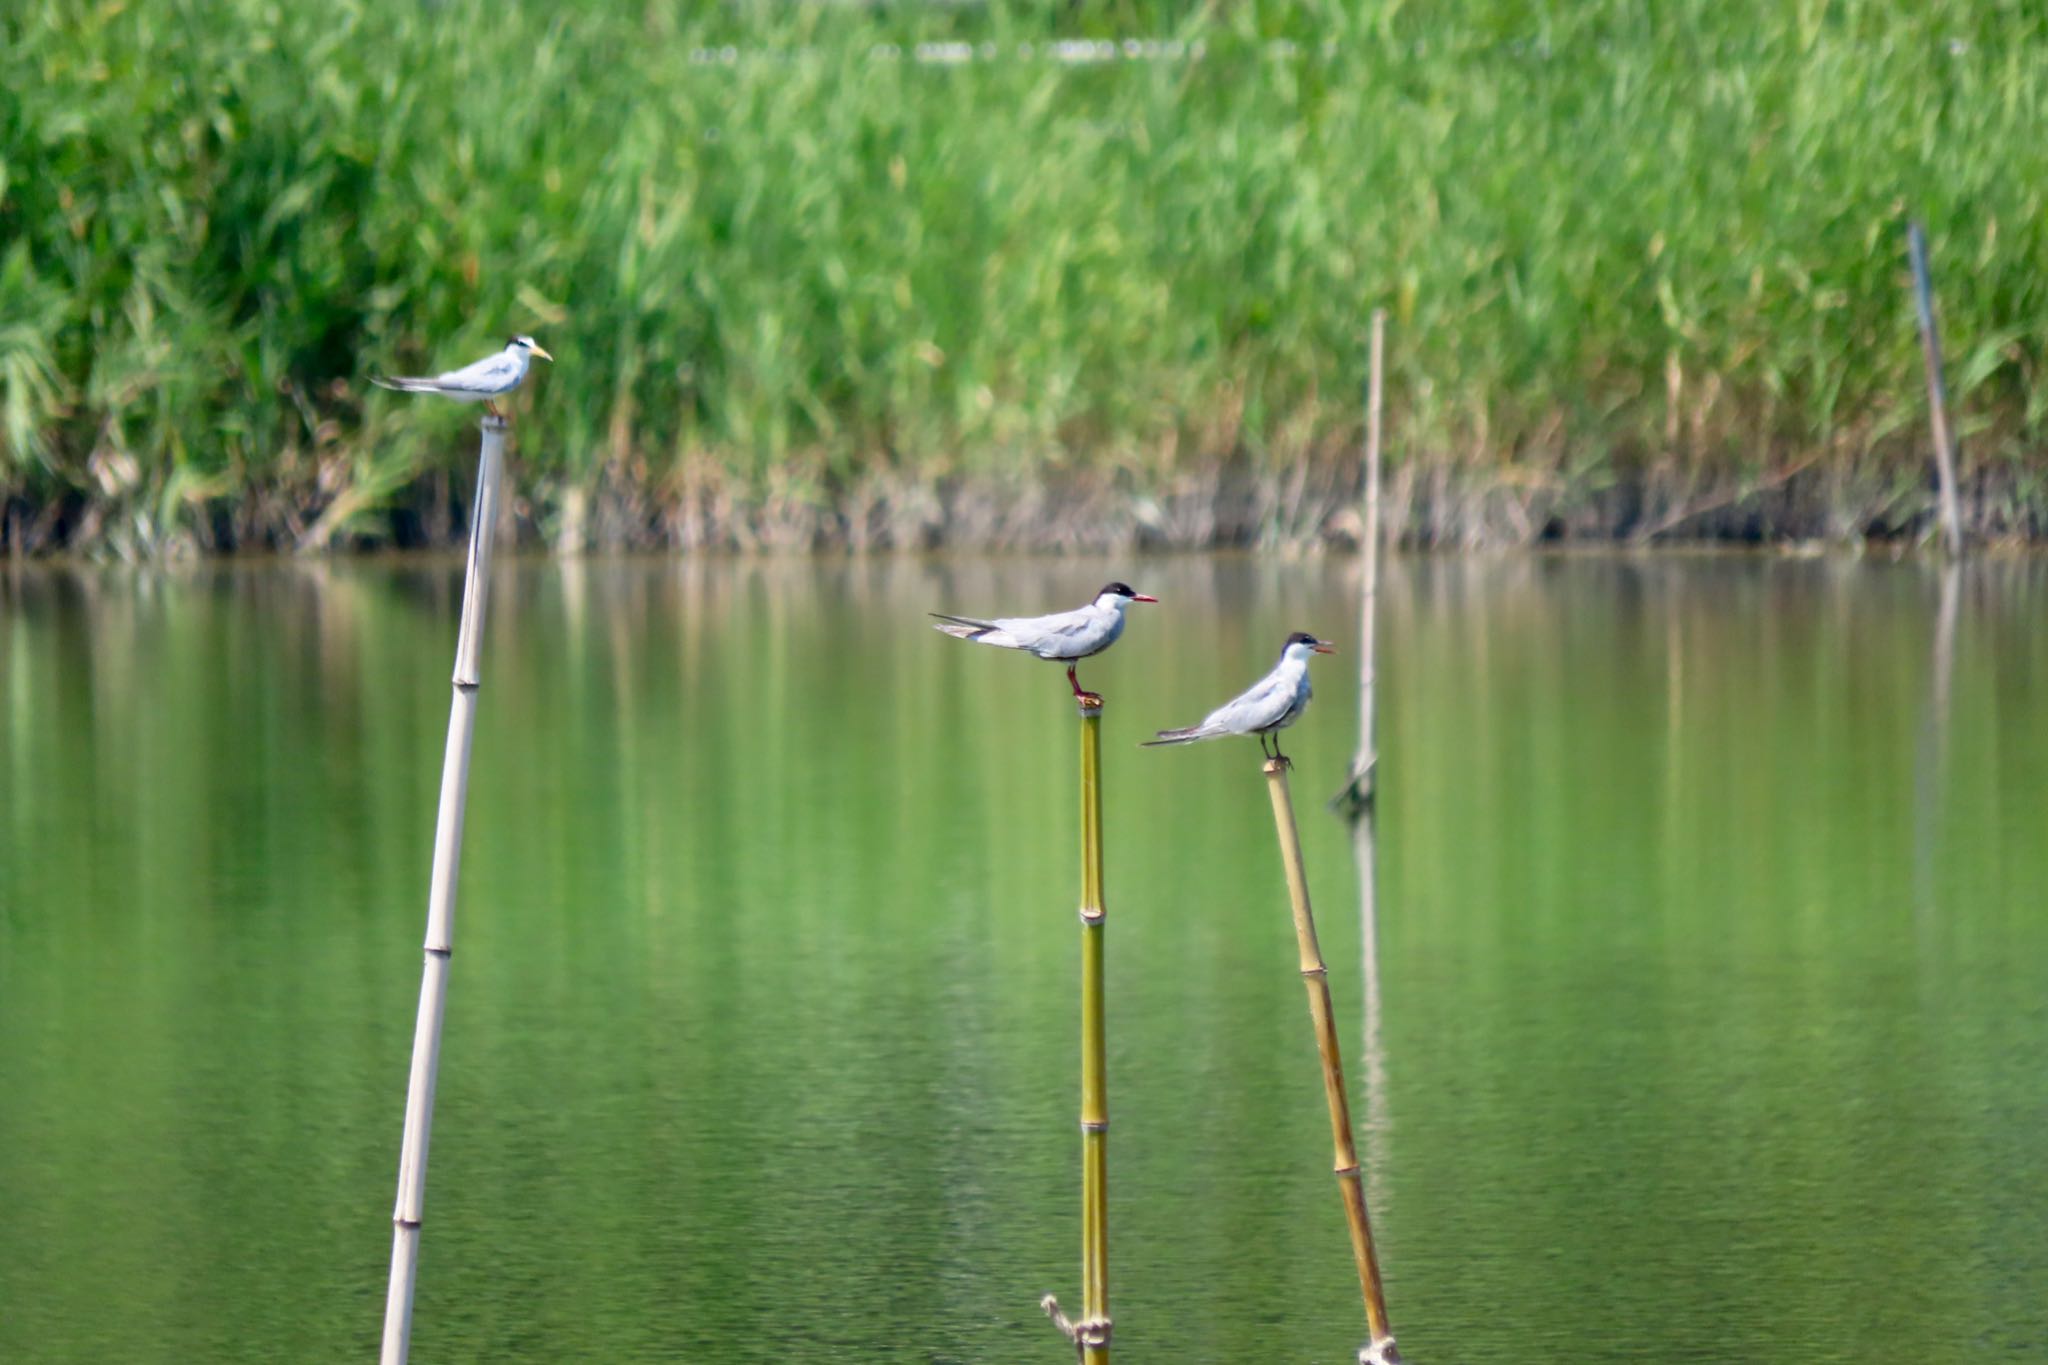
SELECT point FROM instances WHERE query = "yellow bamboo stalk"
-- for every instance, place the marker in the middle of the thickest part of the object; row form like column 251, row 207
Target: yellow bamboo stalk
column 1094, row 1338
column 1090, row 1335
column 440, row 945
column 1315, row 976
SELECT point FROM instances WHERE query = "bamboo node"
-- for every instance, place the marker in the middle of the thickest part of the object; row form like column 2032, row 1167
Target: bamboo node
column 1092, row 914
column 1094, row 1125
column 440, row 950
column 1317, row 970
column 1380, row 1352
column 1350, row 1172
column 463, row 684
column 406, row 1222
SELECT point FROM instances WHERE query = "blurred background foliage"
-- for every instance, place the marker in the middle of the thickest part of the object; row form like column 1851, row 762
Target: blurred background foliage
column 798, row 249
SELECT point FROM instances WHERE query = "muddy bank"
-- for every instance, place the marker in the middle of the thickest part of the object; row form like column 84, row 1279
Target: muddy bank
column 1439, row 505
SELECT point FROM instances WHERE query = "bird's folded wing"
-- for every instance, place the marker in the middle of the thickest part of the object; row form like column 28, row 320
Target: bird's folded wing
column 1075, row 626
column 486, row 376
column 1029, row 625
column 1257, row 707
column 1035, row 632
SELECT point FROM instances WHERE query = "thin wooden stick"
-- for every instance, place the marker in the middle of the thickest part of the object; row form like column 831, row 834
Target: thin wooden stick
column 1937, row 391
column 1357, row 794
column 1090, row 1335
column 1315, row 976
column 426, row 1043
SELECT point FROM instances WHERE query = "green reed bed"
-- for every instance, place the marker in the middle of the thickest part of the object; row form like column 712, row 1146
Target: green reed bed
column 1632, row 265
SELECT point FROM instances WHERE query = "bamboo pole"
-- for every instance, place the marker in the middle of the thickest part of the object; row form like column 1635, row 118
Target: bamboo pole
column 1315, row 975
column 1357, row 795
column 1090, row 1335
column 426, row 1043
column 1937, row 392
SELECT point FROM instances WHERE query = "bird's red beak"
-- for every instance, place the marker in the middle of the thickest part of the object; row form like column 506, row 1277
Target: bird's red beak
column 1324, row 649
column 1141, row 597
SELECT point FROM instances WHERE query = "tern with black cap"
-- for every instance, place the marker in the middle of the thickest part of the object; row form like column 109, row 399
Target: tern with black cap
column 483, row 382
column 1267, row 707
column 1063, row 637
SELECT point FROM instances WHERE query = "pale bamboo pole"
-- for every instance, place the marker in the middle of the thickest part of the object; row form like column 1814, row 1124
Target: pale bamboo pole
column 1357, row 795
column 1090, row 1335
column 426, row 1042
column 1937, row 391
column 1315, row 976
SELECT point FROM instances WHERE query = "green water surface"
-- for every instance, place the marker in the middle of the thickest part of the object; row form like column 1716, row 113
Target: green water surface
column 1707, row 1018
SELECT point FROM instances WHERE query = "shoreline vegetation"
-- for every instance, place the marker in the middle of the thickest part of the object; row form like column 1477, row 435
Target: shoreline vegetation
column 983, row 277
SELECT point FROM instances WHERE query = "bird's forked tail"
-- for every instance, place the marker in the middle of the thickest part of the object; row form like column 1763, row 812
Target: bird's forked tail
column 1187, row 736
column 980, row 632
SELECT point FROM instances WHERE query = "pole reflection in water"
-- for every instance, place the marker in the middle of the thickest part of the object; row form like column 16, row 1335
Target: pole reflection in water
column 1930, row 764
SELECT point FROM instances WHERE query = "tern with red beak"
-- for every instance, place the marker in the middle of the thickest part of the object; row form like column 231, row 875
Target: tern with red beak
column 1064, row 637
column 1269, row 706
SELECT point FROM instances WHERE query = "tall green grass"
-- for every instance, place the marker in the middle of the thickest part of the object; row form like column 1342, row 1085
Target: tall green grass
column 1616, row 239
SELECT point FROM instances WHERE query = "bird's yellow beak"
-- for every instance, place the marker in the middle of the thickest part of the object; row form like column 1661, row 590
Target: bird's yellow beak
column 542, row 354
